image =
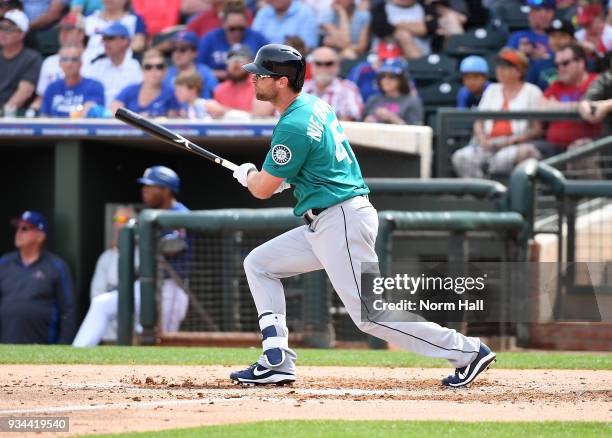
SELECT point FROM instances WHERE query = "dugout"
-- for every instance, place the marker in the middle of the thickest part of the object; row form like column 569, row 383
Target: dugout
column 70, row 169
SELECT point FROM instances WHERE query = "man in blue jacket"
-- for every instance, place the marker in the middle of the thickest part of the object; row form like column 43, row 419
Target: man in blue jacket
column 36, row 294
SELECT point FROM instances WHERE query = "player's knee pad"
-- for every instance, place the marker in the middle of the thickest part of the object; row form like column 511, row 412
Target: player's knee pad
column 275, row 337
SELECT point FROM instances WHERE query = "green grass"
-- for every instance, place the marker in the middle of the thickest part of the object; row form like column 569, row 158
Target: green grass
column 38, row 354
column 369, row 429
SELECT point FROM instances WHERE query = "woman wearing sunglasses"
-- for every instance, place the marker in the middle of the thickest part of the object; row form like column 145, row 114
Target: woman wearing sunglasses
column 396, row 105
column 152, row 97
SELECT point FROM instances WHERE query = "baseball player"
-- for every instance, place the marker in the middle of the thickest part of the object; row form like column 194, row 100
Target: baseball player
column 160, row 184
column 310, row 152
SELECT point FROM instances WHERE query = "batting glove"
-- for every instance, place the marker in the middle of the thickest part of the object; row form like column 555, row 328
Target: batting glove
column 242, row 172
column 284, row 186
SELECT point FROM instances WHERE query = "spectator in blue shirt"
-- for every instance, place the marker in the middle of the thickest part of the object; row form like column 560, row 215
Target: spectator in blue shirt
column 534, row 41
column 283, row 18
column 74, row 95
column 151, row 97
column 215, row 45
column 474, row 73
column 36, row 294
column 184, row 52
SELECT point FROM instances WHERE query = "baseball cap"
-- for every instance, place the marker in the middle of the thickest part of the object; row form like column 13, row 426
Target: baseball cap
column 564, row 26
column 513, row 57
column 546, row 4
column 34, row 218
column 115, row 30
column 394, row 66
column 72, row 20
column 161, row 176
column 186, row 36
column 474, row 64
column 587, row 13
column 240, row 51
column 386, row 50
column 18, row 18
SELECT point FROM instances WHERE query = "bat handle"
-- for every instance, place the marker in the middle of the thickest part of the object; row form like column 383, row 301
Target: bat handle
column 228, row 164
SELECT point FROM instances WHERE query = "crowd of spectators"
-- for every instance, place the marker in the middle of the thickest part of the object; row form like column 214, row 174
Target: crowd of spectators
column 184, row 60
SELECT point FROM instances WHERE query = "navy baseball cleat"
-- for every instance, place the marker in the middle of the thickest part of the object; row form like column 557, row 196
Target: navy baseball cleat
column 257, row 374
column 464, row 376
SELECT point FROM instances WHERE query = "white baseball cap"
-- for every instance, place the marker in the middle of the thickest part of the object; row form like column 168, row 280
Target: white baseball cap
column 18, row 18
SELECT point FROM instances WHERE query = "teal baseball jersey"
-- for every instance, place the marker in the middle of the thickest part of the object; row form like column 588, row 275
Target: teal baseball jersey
column 310, row 151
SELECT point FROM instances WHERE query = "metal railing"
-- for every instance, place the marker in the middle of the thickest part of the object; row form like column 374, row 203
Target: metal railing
column 453, row 124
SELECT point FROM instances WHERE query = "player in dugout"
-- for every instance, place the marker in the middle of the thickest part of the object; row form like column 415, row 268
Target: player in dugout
column 160, row 184
column 310, row 152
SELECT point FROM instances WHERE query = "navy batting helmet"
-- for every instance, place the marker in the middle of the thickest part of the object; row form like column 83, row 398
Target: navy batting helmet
column 161, row 176
column 279, row 60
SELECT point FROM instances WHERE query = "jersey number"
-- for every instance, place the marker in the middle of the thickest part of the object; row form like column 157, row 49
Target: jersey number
column 339, row 139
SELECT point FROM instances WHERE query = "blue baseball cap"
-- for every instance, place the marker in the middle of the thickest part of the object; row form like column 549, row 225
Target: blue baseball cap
column 395, row 66
column 185, row 36
column 546, row 4
column 34, row 218
column 474, row 64
column 161, row 176
column 115, row 30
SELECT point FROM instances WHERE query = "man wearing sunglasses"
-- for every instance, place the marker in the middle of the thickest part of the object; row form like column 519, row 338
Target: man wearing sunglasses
column 216, row 44
column 341, row 94
column 565, row 94
column 184, row 53
column 106, row 275
column 115, row 69
column 310, row 151
column 19, row 66
column 36, row 293
column 73, row 96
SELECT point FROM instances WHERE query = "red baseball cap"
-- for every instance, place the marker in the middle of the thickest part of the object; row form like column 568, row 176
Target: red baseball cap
column 388, row 51
column 586, row 14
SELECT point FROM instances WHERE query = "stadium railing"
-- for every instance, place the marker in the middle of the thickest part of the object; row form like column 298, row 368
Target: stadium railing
column 571, row 224
column 454, row 129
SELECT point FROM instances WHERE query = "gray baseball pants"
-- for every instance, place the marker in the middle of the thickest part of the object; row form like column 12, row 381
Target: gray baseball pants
column 339, row 240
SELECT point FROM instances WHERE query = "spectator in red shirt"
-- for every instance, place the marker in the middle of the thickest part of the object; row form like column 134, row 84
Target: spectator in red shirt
column 213, row 17
column 156, row 18
column 565, row 93
column 237, row 92
column 341, row 94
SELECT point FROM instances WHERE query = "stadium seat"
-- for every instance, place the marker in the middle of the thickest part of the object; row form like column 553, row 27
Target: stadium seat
column 346, row 65
column 514, row 16
column 438, row 95
column 432, row 68
column 476, row 42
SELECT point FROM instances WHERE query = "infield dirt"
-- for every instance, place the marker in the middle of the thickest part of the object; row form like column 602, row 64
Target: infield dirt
column 119, row 398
